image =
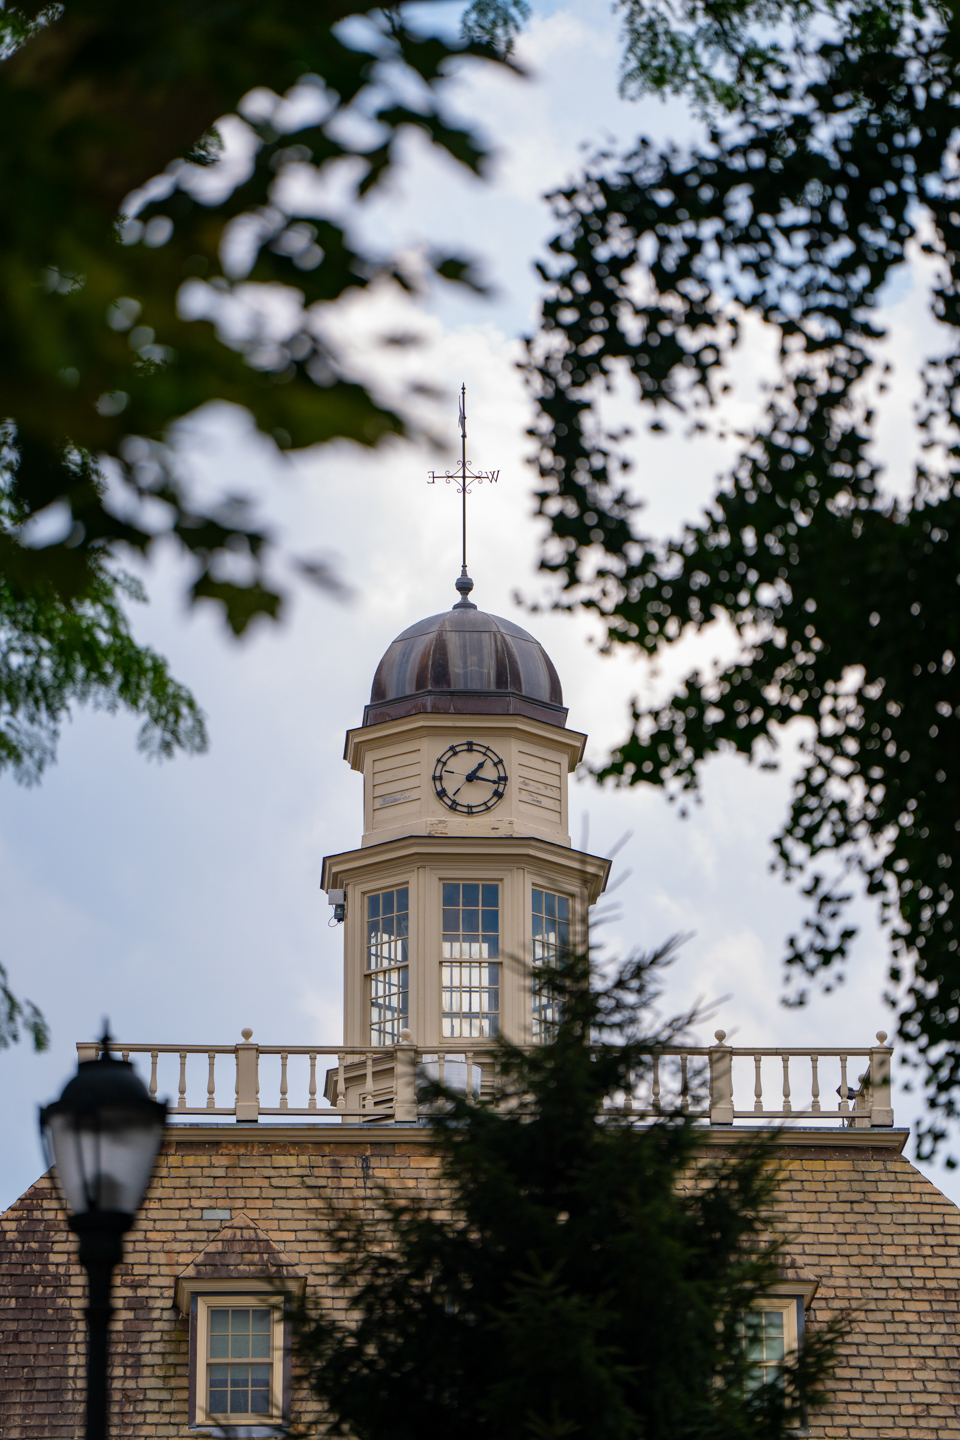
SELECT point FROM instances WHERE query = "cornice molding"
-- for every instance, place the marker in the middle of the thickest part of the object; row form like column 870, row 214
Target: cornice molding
column 592, row 870
column 390, row 1133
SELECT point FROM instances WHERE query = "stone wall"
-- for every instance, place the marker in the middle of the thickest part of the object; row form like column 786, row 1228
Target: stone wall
column 878, row 1238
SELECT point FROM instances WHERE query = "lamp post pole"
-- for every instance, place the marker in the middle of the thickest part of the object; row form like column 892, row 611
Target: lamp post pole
column 100, row 1252
column 103, row 1135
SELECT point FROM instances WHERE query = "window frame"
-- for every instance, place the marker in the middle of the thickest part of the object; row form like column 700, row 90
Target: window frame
column 240, row 1295
column 539, row 967
column 483, row 1016
column 791, row 1298
column 401, row 968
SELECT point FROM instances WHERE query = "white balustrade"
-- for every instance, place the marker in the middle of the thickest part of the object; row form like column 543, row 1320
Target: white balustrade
column 369, row 1084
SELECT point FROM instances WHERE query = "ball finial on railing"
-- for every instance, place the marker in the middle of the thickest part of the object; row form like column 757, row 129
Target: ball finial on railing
column 720, row 1036
column 247, row 1033
column 882, row 1037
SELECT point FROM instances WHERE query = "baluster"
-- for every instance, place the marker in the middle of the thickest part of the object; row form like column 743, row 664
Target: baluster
column 368, row 1098
column 440, row 1070
column 684, row 1097
column 312, row 1102
column 469, row 1074
column 341, row 1085
column 787, row 1107
column 124, row 1054
column 153, row 1073
column 656, row 1083
column 814, row 1084
column 182, row 1102
column 844, row 1106
column 284, row 1103
column 211, row 1086
column 757, row 1086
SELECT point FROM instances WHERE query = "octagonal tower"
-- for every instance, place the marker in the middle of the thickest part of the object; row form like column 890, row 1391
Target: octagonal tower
column 465, row 884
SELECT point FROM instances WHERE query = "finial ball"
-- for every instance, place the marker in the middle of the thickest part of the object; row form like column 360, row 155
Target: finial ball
column 720, row 1035
column 247, row 1033
column 405, row 1036
column 882, row 1037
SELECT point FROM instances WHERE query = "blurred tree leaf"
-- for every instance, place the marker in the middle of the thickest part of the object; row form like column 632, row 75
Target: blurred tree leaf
column 137, row 264
column 836, row 166
column 20, row 1014
column 57, row 652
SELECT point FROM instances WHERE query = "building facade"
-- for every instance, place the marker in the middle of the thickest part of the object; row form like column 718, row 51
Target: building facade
column 463, row 889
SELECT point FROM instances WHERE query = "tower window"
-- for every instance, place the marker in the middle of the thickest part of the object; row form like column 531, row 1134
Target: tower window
column 470, row 969
column 388, row 930
column 551, row 940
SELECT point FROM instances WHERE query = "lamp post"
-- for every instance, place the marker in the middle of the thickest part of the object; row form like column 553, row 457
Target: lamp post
column 103, row 1135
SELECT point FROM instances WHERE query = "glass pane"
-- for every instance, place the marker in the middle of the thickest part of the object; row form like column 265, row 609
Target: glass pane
column 219, row 1321
column 219, row 1347
column 217, row 1391
column 538, row 902
column 451, row 895
column 471, row 895
column 260, row 1389
column 373, row 906
column 563, row 908
column 491, row 895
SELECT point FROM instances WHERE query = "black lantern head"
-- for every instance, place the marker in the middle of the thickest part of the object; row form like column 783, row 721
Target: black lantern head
column 103, row 1134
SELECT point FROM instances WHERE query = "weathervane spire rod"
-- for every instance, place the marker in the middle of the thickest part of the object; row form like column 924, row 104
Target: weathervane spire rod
column 463, row 468
column 464, row 478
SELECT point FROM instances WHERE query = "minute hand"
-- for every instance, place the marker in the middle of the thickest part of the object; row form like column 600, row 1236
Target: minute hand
column 472, row 776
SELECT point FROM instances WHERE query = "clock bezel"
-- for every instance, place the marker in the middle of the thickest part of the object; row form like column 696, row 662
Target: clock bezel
column 475, row 747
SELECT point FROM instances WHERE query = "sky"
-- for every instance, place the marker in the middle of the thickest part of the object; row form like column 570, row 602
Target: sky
column 182, row 900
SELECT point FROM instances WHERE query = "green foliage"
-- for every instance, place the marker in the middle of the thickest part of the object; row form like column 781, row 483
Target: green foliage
column 56, row 653
column 587, row 1273
column 16, row 1014
column 115, row 324
column 844, row 600
column 494, row 22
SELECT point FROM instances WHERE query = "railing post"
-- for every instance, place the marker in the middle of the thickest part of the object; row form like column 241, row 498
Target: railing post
column 87, row 1050
column 721, row 1082
column 405, row 1080
column 248, row 1080
column 878, row 1081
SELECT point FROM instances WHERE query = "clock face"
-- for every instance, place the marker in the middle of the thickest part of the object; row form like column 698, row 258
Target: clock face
column 469, row 778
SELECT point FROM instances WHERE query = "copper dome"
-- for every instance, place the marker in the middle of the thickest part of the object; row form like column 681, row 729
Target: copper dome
column 465, row 662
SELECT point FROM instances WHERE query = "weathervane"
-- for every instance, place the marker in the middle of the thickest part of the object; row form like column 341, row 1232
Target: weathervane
column 463, row 477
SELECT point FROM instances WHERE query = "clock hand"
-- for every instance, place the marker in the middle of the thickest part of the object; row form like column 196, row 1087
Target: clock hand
column 468, row 778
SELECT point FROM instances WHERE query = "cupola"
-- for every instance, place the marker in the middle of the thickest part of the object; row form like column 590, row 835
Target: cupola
column 465, row 662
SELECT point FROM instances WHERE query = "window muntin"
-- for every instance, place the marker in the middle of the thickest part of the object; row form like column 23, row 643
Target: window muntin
column 239, row 1354
column 387, row 957
column 470, row 968
column 550, row 917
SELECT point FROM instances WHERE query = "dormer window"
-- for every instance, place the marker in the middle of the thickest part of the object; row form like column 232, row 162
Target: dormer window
column 239, row 1348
